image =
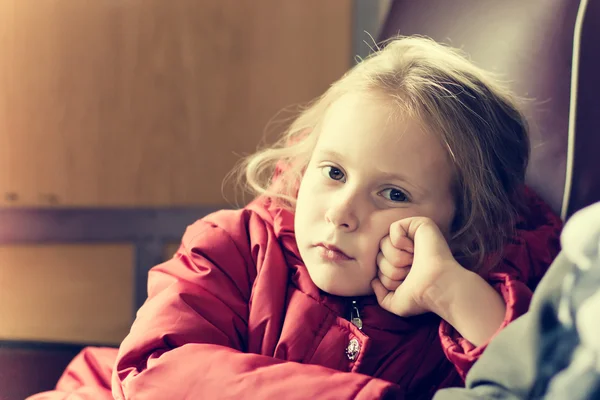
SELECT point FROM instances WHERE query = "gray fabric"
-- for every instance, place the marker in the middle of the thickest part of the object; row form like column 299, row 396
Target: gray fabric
column 554, row 349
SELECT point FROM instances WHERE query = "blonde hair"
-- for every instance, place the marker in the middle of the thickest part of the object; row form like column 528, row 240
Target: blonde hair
column 475, row 117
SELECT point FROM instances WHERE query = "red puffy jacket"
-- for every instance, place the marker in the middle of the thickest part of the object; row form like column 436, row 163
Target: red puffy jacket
column 234, row 314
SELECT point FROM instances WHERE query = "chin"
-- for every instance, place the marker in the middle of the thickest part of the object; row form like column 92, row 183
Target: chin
column 344, row 290
column 337, row 281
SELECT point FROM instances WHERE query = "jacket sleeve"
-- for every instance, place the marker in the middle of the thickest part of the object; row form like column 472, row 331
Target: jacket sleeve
column 526, row 258
column 509, row 366
column 463, row 353
column 87, row 377
column 189, row 338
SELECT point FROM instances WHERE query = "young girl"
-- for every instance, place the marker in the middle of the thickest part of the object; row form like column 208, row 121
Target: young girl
column 391, row 238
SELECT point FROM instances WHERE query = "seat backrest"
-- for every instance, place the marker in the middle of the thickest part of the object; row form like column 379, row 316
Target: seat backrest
column 548, row 51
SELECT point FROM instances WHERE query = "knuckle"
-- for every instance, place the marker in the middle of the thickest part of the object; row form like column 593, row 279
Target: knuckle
column 384, row 240
column 398, row 259
column 399, row 275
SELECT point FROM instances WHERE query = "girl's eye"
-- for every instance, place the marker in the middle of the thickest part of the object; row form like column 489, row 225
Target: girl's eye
column 333, row 173
column 395, row 195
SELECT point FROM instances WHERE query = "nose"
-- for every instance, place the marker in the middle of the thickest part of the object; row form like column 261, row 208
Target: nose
column 342, row 213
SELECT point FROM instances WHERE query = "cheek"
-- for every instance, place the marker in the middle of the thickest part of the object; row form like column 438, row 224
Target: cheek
column 369, row 258
column 306, row 189
column 445, row 218
column 303, row 200
column 371, row 239
column 312, row 196
column 307, row 211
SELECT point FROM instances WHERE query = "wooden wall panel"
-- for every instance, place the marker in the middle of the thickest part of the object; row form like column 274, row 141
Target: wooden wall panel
column 147, row 102
column 73, row 293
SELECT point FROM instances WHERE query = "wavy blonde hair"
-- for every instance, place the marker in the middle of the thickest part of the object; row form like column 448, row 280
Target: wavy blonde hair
column 476, row 118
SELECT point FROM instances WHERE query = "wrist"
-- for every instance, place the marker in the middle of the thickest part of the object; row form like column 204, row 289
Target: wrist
column 468, row 303
column 439, row 298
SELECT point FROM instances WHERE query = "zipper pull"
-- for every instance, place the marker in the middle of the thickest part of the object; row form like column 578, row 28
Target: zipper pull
column 355, row 316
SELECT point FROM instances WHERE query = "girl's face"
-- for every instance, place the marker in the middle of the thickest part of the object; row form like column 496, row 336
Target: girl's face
column 367, row 171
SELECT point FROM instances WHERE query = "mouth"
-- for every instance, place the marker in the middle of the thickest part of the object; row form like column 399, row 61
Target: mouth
column 331, row 252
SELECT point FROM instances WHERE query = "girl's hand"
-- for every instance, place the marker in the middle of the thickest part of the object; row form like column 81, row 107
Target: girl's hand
column 413, row 262
column 434, row 281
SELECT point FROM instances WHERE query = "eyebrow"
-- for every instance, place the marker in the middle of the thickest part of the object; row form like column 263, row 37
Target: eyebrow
column 385, row 175
column 330, row 153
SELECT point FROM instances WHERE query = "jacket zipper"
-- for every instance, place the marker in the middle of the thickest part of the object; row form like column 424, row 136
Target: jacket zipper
column 355, row 315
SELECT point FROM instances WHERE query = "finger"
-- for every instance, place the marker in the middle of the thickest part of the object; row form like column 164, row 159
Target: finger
column 390, row 271
column 396, row 257
column 399, row 237
column 384, row 296
column 422, row 231
column 397, row 274
column 388, row 283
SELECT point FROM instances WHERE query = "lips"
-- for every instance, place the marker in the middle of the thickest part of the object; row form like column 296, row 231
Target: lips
column 332, row 253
